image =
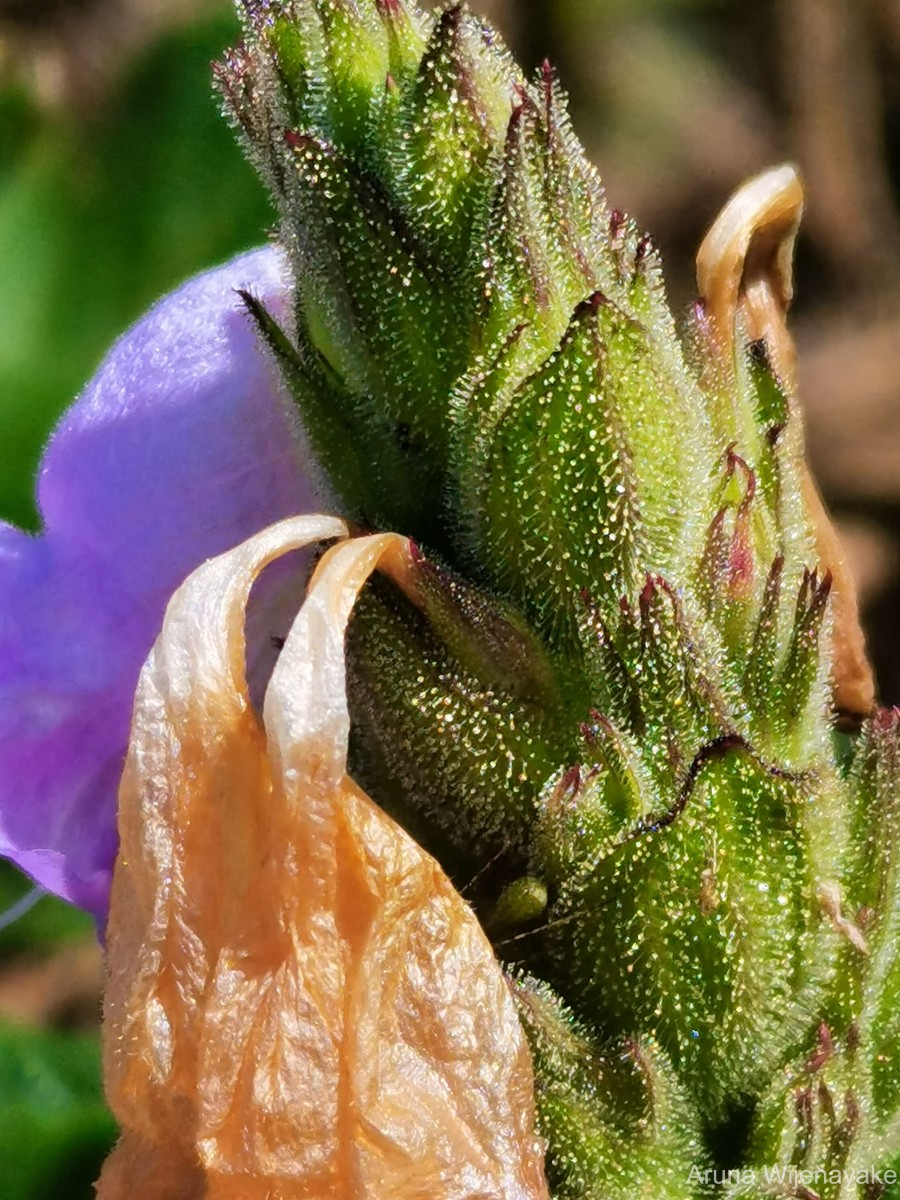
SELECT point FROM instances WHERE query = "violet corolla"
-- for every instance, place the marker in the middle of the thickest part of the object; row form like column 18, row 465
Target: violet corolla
column 181, row 446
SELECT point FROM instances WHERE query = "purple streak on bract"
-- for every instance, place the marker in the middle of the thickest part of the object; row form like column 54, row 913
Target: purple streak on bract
column 182, row 446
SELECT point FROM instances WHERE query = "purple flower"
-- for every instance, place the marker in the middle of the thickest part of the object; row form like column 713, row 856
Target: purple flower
column 182, row 446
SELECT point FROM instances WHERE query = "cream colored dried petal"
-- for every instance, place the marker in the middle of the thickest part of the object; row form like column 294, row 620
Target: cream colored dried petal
column 745, row 277
column 300, row 1003
column 745, row 264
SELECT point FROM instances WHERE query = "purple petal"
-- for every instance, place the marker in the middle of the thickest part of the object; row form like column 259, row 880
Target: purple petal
column 183, row 445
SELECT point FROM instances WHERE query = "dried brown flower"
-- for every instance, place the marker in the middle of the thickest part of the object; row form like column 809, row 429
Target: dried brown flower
column 300, row 1004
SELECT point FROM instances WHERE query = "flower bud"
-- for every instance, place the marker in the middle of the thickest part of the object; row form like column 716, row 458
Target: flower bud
column 704, row 915
column 472, row 697
column 608, row 709
column 615, row 1118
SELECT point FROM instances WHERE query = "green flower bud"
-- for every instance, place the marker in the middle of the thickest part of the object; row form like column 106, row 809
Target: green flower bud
column 609, row 710
column 616, row 1120
column 470, row 693
column 706, row 917
column 865, row 996
column 814, row 1129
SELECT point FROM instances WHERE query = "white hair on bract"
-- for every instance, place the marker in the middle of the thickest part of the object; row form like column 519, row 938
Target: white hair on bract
column 745, row 278
column 300, row 1004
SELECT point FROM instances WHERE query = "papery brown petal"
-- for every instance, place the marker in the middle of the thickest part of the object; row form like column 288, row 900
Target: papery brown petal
column 161, row 1169
column 194, row 837
column 300, row 1003
column 745, row 273
column 745, row 264
column 852, row 679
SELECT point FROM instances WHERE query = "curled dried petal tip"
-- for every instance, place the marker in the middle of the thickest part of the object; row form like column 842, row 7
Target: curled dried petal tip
column 340, row 1024
column 745, row 263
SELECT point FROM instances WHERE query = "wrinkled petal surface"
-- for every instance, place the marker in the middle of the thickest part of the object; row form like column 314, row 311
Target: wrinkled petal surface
column 181, row 446
column 300, row 1004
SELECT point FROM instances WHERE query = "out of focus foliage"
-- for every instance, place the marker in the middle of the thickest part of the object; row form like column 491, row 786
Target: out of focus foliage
column 54, row 1125
column 99, row 215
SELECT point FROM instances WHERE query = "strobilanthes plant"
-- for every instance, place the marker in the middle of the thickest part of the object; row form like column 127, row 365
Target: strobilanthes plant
column 611, row 679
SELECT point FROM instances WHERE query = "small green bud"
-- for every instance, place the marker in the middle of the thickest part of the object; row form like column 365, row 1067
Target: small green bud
column 617, row 1123
column 449, row 124
column 520, row 903
column 551, row 437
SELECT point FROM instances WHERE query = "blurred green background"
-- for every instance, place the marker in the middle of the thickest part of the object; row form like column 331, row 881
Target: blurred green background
column 118, row 179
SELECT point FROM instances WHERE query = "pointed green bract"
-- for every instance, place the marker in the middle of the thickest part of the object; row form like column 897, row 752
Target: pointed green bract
column 618, row 1124
column 606, row 708
column 705, row 917
column 484, row 745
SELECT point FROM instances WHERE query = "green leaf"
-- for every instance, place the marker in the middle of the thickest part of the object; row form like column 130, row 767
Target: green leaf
column 46, row 925
column 55, row 1129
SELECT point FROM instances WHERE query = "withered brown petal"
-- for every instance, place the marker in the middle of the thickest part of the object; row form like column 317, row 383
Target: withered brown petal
column 745, row 264
column 300, row 1004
